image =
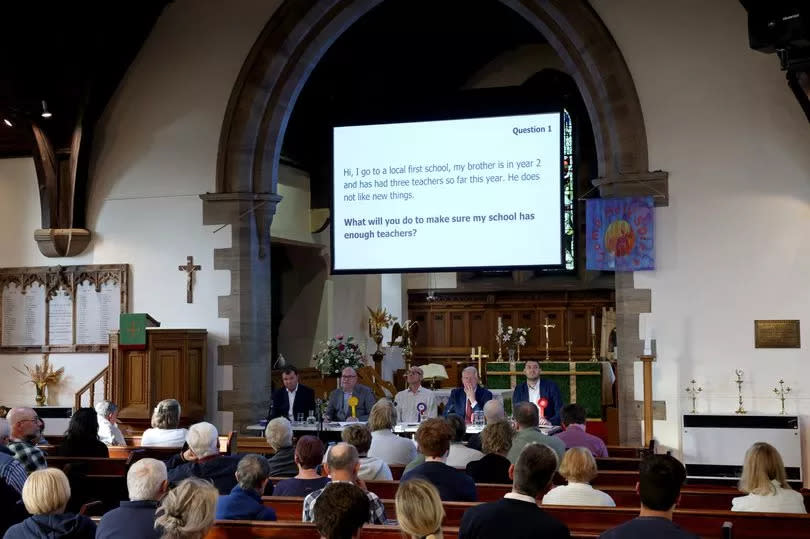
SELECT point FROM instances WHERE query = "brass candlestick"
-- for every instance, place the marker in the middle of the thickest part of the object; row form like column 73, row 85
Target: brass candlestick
column 739, row 381
column 693, row 391
column 593, row 347
column 782, row 391
column 546, row 325
column 569, row 344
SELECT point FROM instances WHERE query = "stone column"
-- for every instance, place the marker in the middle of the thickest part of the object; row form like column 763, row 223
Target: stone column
column 248, row 305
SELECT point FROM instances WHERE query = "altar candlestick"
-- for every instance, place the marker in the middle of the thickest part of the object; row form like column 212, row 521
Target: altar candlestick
column 593, row 324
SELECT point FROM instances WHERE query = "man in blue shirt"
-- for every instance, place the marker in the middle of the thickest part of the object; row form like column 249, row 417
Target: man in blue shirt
column 245, row 500
column 533, row 389
column 146, row 484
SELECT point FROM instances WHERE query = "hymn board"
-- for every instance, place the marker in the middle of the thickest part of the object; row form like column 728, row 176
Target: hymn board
column 61, row 308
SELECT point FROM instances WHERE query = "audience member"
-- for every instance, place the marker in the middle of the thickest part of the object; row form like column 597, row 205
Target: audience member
column 187, row 511
column 460, row 455
column 202, row 459
column 660, row 481
column 11, row 471
column 434, row 437
column 468, row 398
column 342, row 465
column 385, row 445
column 533, row 389
column 493, row 411
column 765, row 482
column 308, row 455
column 45, row 495
column 371, row 468
column 574, row 435
column 419, row 509
column 339, row 407
column 245, row 500
column 415, row 395
column 279, row 436
column 81, row 436
column 146, row 484
column 108, row 431
column 494, row 466
column 165, row 431
column 517, row 515
column 526, row 417
column 578, row 467
column 25, row 433
column 340, row 511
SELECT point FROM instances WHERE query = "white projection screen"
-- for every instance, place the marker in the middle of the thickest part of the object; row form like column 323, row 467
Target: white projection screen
column 476, row 193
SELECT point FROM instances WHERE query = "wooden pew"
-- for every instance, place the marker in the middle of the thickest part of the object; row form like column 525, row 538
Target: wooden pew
column 91, row 465
column 609, row 464
column 233, row 529
column 623, row 451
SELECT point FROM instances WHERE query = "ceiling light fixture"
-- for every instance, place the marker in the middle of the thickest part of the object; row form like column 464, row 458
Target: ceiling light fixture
column 45, row 113
column 8, row 122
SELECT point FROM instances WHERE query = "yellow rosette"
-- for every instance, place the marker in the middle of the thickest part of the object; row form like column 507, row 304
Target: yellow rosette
column 353, row 402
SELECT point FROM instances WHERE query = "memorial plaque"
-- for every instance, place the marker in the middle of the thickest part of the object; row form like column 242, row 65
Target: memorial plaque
column 23, row 315
column 776, row 334
column 60, row 319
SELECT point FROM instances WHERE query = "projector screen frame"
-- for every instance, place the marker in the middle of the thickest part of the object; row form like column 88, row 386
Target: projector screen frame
column 427, row 116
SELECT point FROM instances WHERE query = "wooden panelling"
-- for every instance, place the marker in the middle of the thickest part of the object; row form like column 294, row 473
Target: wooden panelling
column 478, row 332
column 458, row 329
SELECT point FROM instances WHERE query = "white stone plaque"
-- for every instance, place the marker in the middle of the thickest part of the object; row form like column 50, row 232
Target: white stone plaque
column 97, row 312
column 23, row 315
column 60, row 319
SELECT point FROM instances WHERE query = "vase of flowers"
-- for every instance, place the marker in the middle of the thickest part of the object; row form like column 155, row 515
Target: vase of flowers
column 513, row 339
column 42, row 376
column 338, row 353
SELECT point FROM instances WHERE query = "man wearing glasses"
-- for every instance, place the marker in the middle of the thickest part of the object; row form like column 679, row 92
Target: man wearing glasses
column 25, row 433
column 340, row 400
column 408, row 400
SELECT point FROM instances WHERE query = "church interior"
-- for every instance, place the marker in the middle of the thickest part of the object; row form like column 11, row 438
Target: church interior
column 174, row 223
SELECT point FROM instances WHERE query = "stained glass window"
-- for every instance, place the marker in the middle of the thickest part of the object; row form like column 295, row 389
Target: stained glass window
column 568, row 191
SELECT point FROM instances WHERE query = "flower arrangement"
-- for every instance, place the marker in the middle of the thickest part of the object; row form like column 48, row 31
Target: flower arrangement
column 338, row 353
column 514, row 338
column 41, row 376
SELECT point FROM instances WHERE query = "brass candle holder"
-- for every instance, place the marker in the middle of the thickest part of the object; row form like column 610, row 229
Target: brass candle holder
column 739, row 382
column 594, row 359
column 782, row 391
column 693, row 391
column 569, row 344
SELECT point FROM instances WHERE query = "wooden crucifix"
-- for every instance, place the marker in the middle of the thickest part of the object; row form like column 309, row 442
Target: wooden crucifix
column 189, row 268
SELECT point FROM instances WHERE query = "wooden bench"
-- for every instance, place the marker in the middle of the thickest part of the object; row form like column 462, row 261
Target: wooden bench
column 227, row 446
column 91, row 465
column 232, row 529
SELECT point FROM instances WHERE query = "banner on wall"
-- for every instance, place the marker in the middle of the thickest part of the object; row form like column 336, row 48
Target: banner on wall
column 619, row 234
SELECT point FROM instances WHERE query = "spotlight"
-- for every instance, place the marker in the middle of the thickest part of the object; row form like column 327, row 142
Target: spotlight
column 45, row 113
column 8, row 122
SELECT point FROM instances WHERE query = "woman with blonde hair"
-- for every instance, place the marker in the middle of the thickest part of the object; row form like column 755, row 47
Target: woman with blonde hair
column 385, row 445
column 165, row 431
column 187, row 511
column 764, row 480
column 45, row 495
column 419, row 509
column 578, row 467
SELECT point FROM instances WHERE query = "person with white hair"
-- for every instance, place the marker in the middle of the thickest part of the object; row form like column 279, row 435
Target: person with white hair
column 468, row 398
column 108, row 431
column 165, row 431
column 147, row 484
column 202, row 459
column 279, row 436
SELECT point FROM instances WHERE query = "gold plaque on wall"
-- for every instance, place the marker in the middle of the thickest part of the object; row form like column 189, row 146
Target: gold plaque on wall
column 776, row 334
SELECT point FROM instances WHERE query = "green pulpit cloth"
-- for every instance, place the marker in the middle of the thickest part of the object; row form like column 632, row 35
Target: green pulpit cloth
column 579, row 381
column 132, row 330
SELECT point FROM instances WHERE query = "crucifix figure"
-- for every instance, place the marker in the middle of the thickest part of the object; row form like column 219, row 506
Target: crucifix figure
column 189, row 268
column 547, row 326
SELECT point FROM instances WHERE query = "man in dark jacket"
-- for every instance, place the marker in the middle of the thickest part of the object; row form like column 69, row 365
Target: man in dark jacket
column 245, row 500
column 202, row 459
column 469, row 398
column 292, row 399
column 534, row 389
column 146, row 484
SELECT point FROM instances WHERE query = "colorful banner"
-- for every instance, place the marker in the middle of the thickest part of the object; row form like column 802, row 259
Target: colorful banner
column 619, row 234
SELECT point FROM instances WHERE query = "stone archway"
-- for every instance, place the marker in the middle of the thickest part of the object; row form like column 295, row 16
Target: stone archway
column 262, row 100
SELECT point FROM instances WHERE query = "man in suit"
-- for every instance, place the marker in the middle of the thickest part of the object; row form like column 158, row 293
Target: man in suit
column 339, row 408
column 293, row 398
column 517, row 515
column 533, row 389
column 469, row 398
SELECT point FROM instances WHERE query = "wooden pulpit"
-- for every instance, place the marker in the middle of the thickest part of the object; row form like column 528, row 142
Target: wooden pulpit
column 171, row 366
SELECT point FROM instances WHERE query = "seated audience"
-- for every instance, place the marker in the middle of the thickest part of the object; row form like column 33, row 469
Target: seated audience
column 660, row 481
column 419, row 510
column 342, row 465
column 527, row 417
column 493, row 411
column 578, row 467
column 108, row 431
column 45, row 495
column 245, row 500
column 434, row 437
column 574, row 435
column 460, row 455
column 517, row 515
column 165, row 431
column 279, row 436
column 385, row 445
column 146, row 485
column 187, row 511
column 12, row 472
column 468, row 398
column 81, row 436
column 494, row 466
column 340, row 511
column 371, row 468
column 339, row 408
column 308, row 455
column 412, row 396
column 25, row 434
column 202, row 459
column 765, row 482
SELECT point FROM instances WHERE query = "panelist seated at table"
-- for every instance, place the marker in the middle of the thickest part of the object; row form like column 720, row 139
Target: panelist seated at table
column 534, row 389
column 293, row 398
column 349, row 393
column 416, row 399
column 469, row 398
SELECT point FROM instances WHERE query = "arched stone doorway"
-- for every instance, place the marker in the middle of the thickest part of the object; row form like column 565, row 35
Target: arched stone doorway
column 281, row 60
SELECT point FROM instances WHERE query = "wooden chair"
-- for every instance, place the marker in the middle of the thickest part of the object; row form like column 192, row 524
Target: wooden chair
column 368, row 377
